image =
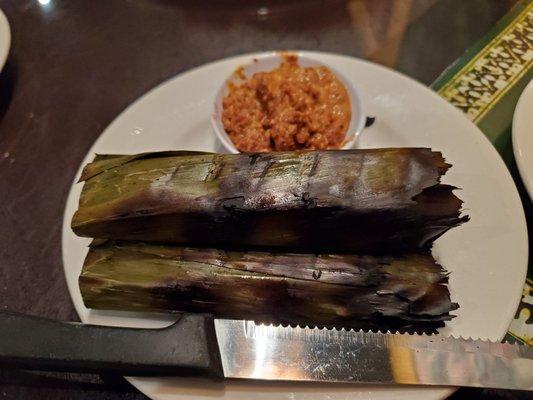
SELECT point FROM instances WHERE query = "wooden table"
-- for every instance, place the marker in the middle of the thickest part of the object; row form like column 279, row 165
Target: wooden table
column 74, row 65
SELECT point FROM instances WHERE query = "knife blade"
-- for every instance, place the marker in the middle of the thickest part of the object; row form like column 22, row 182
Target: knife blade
column 272, row 352
column 198, row 345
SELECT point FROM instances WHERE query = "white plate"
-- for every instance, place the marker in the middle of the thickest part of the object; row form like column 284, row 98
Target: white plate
column 5, row 39
column 523, row 137
column 487, row 256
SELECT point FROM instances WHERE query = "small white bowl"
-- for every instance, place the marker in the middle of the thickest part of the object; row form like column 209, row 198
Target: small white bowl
column 269, row 61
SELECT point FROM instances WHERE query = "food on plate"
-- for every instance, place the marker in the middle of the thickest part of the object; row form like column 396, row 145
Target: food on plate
column 385, row 206
column 288, row 108
column 341, row 290
column 371, row 201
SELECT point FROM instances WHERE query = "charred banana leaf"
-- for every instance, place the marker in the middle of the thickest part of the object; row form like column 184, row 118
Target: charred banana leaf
column 355, row 200
column 402, row 292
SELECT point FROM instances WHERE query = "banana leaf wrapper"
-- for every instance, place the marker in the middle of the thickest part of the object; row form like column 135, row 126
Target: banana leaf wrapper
column 406, row 292
column 372, row 201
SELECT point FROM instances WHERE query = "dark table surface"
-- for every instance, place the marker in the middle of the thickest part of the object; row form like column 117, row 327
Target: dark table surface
column 75, row 65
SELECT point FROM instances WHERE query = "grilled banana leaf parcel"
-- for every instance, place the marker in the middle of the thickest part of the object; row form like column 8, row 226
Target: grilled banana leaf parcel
column 353, row 200
column 382, row 292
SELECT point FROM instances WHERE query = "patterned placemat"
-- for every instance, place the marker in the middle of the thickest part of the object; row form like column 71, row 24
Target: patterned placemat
column 486, row 83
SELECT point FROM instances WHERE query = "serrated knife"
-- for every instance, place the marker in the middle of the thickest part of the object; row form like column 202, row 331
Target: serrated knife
column 198, row 345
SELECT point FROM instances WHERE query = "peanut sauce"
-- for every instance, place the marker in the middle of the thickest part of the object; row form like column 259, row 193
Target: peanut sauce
column 288, row 108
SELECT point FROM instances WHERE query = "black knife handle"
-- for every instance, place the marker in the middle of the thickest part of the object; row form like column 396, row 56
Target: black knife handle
column 186, row 348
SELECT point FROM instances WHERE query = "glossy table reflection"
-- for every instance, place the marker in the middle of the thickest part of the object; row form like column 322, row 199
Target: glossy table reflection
column 74, row 65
